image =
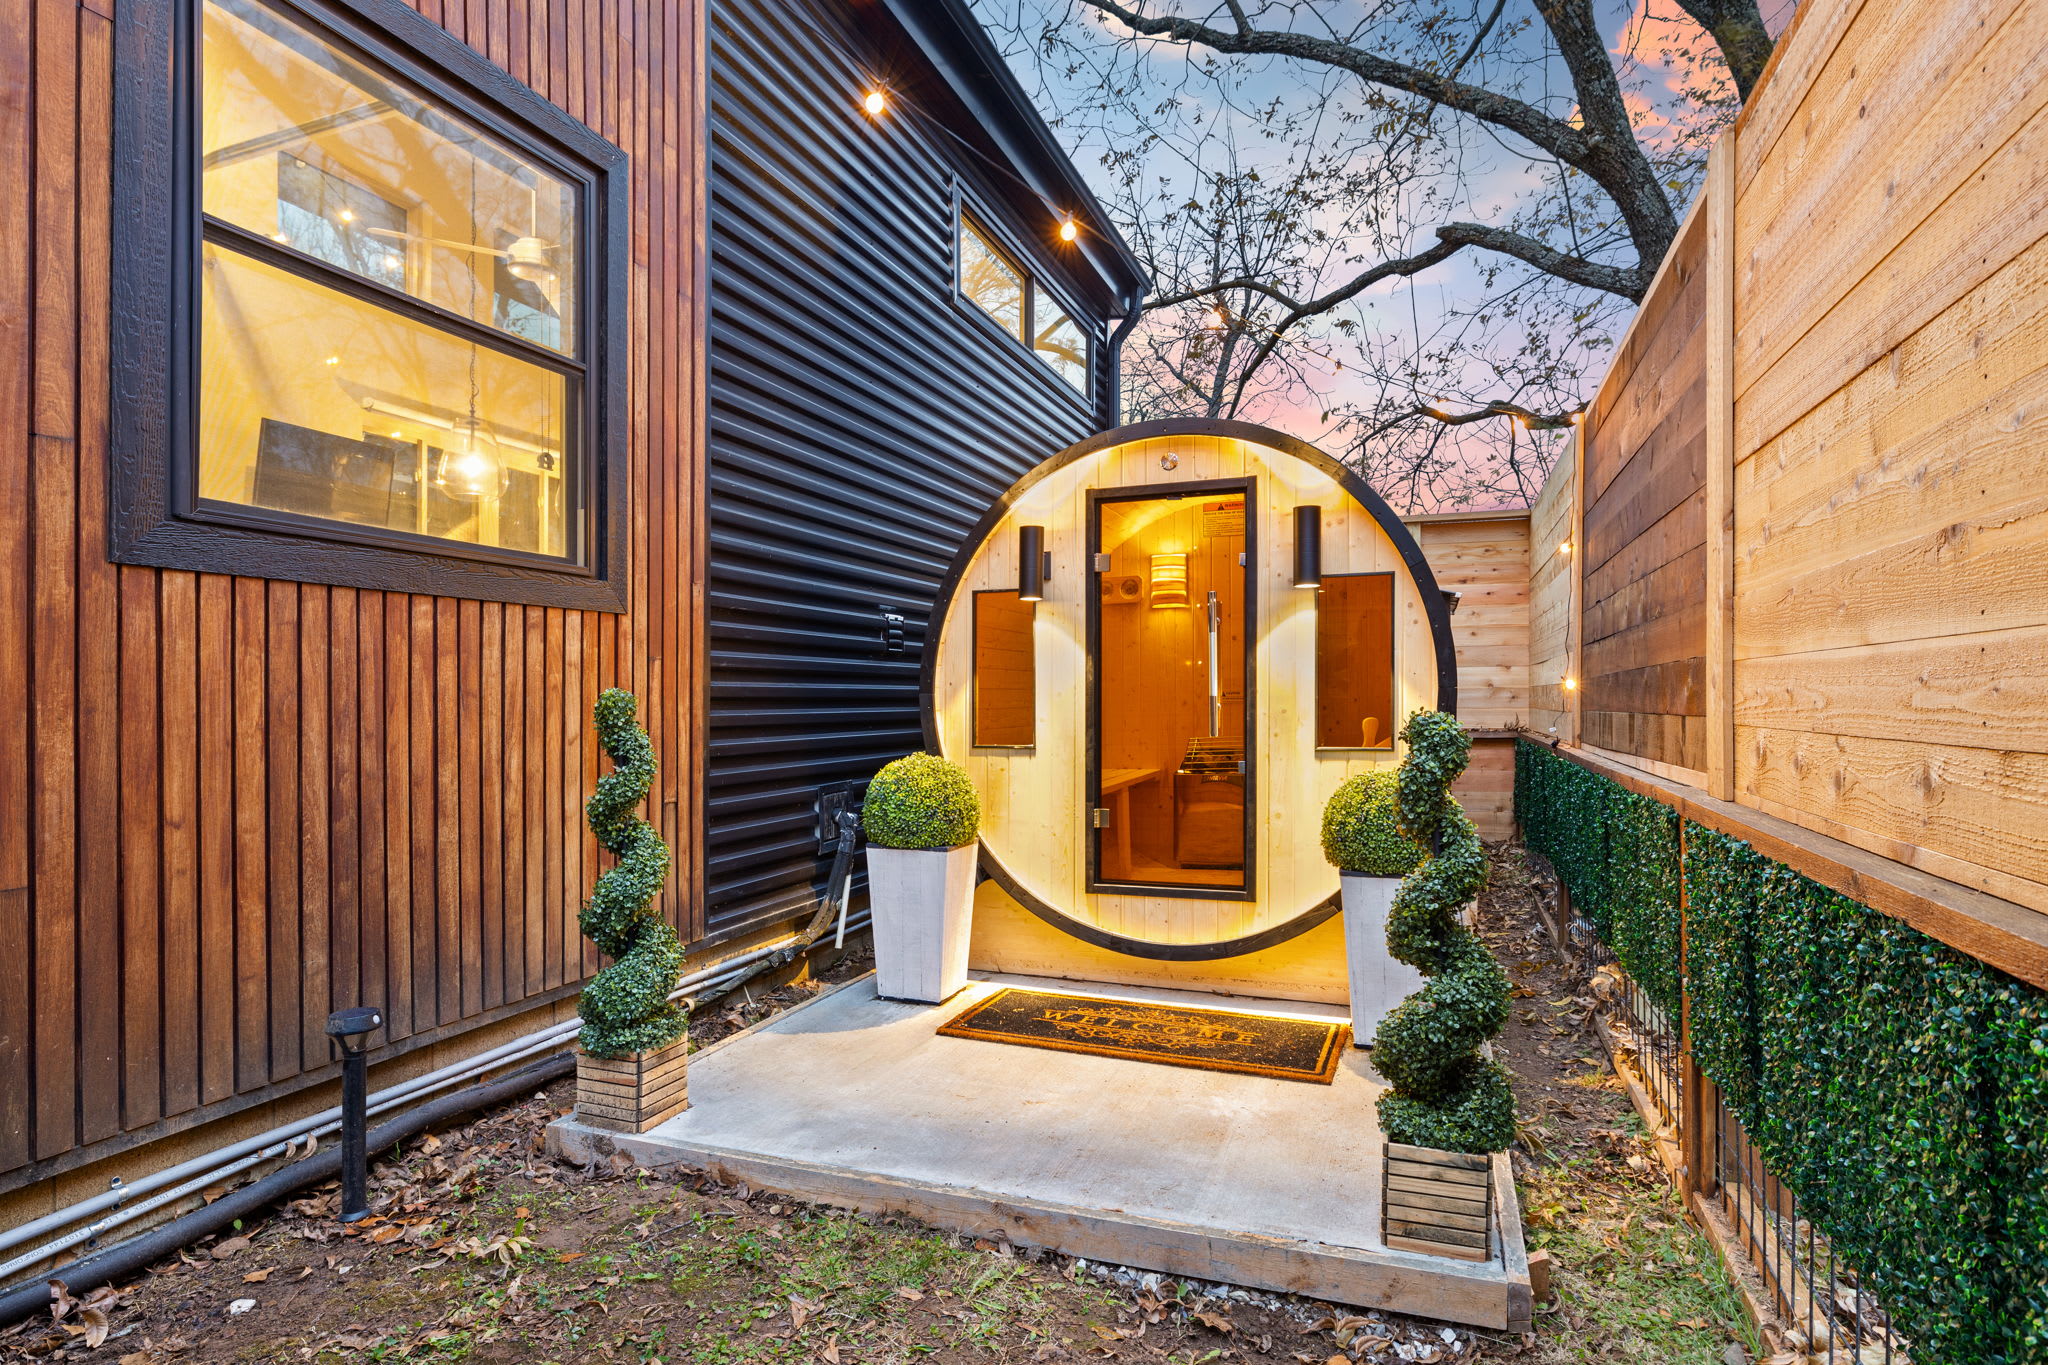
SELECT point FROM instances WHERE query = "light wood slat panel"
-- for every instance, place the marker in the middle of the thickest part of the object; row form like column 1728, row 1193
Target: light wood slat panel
column 1986, row 691
column 1877, row 155
column 1487, row 564
column 1951, row 425
column 1992, row 217
column 1975, row 816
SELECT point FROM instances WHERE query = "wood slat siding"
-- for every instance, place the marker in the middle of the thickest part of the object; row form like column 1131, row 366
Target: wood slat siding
column 1643, row 616
column 1890, row 625
column 861, row 420
column 1485, row 560
column 229, row 805
column 1882, row 395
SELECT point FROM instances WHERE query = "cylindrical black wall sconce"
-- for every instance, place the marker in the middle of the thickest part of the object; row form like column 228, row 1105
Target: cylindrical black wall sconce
column 1308, row 547
column 1031, row 563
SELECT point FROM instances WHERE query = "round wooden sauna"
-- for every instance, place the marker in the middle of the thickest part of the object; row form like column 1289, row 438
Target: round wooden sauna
column 1157, row 656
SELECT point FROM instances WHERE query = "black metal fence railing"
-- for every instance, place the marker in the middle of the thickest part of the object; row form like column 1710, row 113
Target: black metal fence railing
column 1813, row 1292
column 1659, row 1052
column 1817, row 1294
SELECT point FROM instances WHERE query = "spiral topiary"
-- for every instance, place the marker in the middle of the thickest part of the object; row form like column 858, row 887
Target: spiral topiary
column 921, row 801
column 1444, row 1093
column 625, row 1007
column 1362, row 828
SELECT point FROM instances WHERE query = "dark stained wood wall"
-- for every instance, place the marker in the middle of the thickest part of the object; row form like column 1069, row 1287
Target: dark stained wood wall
column 1644, row 596
column 229, row 805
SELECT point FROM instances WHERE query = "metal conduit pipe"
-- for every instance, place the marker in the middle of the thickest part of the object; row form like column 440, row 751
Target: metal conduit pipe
column 132, row 1256
column 199, row 1172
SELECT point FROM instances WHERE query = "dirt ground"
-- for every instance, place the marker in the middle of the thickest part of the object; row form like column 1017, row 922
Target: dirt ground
column 482, row 1249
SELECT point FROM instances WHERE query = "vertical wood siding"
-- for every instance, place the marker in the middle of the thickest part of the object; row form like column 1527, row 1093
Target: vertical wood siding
column 230, row 805
column 861, row 421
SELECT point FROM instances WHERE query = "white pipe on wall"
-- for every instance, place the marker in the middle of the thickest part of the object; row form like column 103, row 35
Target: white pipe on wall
column 189, row 1177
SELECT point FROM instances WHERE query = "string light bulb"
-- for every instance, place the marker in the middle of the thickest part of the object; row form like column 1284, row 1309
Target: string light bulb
column 875, row 102
column 1069, row 229
column 1571, row 684
column 1218, row 318
column 1564, row 547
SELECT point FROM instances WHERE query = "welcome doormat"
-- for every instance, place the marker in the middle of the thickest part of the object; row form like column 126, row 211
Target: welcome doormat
column 1176, row 1035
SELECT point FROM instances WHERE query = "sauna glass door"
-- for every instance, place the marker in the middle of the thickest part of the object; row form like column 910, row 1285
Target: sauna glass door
column 1170, row 766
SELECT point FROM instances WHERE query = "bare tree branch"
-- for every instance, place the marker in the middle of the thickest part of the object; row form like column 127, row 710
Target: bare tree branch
column 1627, row 281
column 1738, row 29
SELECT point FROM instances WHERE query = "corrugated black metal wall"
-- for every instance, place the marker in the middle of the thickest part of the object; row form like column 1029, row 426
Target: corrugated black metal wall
column 861, row 421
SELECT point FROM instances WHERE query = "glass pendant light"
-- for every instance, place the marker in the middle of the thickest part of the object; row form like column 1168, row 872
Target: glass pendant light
column 473, row 466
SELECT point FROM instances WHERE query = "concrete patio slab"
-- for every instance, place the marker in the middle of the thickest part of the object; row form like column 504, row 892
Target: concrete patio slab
column 856, row 1101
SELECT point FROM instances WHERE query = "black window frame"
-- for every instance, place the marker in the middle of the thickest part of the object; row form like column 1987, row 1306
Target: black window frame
column 1246, row 487
column 156, row 517
column 968, row 213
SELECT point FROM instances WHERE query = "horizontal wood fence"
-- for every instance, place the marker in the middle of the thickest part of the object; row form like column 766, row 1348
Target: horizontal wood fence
column 1799, row 559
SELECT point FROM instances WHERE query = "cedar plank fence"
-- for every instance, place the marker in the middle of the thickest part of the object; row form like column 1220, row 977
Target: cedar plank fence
column 1807, row 569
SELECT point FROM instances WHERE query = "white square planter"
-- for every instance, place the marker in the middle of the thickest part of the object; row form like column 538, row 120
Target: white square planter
column 1378, row 980
column 922, row 907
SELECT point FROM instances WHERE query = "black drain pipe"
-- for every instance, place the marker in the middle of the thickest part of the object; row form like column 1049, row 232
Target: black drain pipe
column 132, row 1256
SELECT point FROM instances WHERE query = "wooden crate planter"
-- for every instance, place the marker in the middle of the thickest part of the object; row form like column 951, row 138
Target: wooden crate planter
column 1436, row 1202
column 633, row 1094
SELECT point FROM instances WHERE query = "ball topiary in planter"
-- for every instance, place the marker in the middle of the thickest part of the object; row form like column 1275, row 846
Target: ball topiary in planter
column 1445, row 1095
column 921, row 817
column 1362, row 828
column 921, row 801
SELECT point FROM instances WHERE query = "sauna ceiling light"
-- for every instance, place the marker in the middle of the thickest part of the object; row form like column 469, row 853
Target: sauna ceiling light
column 1032, row 563
column 1170, row 580
column 1308, row 547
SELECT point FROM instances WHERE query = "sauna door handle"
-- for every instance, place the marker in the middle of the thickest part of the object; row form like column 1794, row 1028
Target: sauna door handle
column 1215, row 681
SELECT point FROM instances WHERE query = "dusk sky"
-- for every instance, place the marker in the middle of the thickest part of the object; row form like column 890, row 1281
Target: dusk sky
column 1485, row 175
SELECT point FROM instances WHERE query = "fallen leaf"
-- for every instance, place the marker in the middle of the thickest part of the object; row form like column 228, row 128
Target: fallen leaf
column 223, row 1250
column 799, row 1313
column 1215, row 1322
column 240, row 1306
column 390, row 1232
column 258, row 1276
column 830, row 1355
column 904, row 1291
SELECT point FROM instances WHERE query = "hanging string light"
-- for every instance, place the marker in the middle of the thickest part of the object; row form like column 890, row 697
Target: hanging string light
column 1069, row 229
column 876, row 103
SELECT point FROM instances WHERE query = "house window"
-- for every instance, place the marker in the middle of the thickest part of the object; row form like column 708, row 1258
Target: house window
column 992, row 281
column 989, row 281
column 394, row 331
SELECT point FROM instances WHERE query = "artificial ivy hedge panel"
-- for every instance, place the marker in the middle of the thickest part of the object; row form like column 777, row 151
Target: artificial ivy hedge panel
column 1898, row 1087
column 1617, row 854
